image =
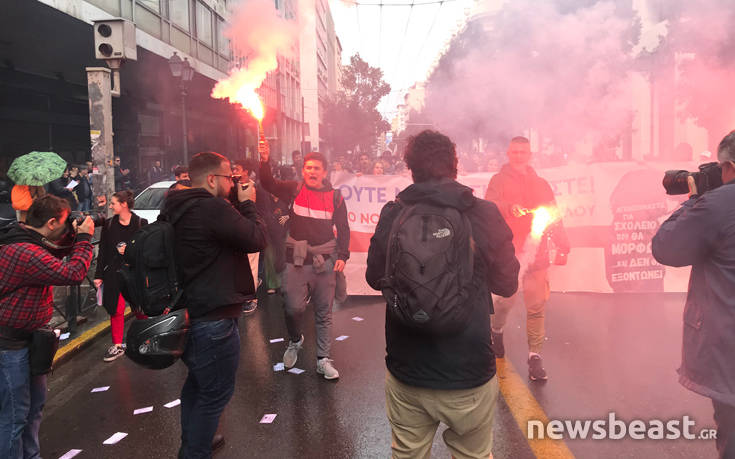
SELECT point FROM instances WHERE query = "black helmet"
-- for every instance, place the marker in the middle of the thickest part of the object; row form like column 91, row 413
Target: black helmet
column 157, row 342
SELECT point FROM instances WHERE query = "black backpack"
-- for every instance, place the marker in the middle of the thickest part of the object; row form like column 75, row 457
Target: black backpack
column 429, row 268
column 149, row 279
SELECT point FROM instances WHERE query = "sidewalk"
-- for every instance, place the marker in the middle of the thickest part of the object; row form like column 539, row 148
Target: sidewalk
column 92, row 323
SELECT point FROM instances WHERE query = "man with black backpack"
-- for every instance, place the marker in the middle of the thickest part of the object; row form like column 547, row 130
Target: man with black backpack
column 436, row 255
column 313, row 255
column 212, row 242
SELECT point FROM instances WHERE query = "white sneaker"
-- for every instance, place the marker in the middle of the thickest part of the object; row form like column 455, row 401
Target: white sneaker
column 292, row 353
column 324, row 367
column 114, row 352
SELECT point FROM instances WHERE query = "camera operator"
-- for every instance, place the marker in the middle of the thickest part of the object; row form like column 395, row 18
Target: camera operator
column 701, row 233
column 28, row 269
column 213, row 239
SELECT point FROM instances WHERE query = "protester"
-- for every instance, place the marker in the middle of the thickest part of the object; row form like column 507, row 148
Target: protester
column 297, row 160
column 365, row 165
column 156, row 173
column 122, row 176
column 242, row 170
column 28, row 270
column 378, row 168
column 212, row 240
column 313, row 255
column 434, row 377
column 700, row 234
column 84, row 190
column 116, row 234
column 58, row 188
column 276, row 219
column 517, row 190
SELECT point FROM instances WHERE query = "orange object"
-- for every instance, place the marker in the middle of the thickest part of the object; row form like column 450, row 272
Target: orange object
column 20, row 197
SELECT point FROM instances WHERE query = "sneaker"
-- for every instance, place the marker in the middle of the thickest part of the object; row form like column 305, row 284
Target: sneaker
column 114, row 352
column 249, row 307
column 536, row 370
column 292, row 353
column 324, row 367
column 497, row 344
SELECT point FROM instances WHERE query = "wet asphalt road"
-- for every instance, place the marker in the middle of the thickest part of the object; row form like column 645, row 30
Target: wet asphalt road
column 604, row 353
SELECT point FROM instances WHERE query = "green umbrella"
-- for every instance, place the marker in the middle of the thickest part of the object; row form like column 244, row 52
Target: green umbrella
column 36, row 168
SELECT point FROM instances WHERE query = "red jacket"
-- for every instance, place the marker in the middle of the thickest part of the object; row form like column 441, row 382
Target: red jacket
column 27, row 272
column 509, row 187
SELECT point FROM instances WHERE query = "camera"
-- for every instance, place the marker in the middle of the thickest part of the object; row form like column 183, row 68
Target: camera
column 78, row 216
column 708, row 178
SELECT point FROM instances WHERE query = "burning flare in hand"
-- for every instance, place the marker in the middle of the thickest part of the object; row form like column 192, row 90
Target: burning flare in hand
column 542, row 217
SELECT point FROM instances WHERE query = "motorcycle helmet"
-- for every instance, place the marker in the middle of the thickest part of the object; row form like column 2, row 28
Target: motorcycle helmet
column 157, row 342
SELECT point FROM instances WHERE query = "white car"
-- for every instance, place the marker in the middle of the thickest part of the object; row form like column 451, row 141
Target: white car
column 149, row 202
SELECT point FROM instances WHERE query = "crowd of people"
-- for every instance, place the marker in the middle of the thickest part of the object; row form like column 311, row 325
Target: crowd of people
column 449, row 265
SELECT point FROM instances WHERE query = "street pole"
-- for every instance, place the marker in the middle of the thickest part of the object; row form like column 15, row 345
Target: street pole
column 100, row 131
column 183, row 124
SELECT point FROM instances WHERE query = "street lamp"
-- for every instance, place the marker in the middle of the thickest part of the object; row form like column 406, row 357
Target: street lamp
column 182, row 70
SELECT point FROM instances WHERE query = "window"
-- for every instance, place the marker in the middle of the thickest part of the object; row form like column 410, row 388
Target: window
column 204, row 24
column 150, row 199
column 154, row 5
column 223, row 43
column 179, row 13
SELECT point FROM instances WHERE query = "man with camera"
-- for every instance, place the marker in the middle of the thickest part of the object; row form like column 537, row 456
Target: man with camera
column 213, row 239
column 701, row 233
column 30, row 264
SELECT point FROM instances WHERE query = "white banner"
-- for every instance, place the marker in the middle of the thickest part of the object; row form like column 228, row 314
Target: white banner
column 610, row 210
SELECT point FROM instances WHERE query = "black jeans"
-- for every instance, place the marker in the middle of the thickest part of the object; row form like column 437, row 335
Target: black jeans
column 212, row 355
column 725, row 420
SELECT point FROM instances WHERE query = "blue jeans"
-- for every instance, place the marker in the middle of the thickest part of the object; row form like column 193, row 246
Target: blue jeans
column 22, row 397
column 212, row 355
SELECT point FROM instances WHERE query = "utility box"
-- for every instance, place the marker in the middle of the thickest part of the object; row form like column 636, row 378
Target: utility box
column 114, row 39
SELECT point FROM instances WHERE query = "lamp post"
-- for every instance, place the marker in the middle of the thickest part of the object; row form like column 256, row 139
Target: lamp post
column 182, row 70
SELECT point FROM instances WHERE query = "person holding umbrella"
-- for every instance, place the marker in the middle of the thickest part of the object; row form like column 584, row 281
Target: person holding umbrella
column 30, row 173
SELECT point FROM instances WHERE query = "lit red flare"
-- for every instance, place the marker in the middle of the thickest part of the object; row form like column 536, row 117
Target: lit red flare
column 542, row 217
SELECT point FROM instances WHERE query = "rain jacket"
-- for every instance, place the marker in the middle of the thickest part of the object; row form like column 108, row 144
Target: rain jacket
column 701, row 233
column 464, row 360
column 213, row 240
column 509, row 187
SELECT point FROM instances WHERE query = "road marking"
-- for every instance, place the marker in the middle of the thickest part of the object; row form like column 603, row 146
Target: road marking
column 82, row 339
column 524, row 407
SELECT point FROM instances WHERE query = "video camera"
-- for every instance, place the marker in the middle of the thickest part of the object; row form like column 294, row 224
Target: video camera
column 708, row 178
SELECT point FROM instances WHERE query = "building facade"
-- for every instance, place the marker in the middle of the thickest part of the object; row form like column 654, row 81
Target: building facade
column 321, row 60
column 45, row 46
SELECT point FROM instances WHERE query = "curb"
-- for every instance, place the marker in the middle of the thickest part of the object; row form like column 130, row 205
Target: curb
column 83, row 340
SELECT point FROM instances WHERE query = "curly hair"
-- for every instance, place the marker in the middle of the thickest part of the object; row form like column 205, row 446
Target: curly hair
column 431, row 155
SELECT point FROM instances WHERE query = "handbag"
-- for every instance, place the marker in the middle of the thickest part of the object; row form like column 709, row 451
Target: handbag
column 44, row 344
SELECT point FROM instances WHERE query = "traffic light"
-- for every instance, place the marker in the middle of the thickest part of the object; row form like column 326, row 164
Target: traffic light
column 114, row 39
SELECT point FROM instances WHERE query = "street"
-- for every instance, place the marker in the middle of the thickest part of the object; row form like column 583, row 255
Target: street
column 605, row 353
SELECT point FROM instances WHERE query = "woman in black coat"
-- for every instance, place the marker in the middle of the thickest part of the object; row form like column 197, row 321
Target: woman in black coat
column 116, row 233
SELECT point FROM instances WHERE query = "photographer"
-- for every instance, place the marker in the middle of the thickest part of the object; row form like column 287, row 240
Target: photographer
column 28, row 269
column 116, row 233
column 701, row 233
column 213, row 239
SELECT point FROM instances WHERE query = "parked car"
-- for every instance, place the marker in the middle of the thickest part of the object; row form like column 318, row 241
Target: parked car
column 149, row 202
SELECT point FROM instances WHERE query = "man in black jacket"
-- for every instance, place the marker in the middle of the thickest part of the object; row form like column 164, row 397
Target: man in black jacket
column 213, row 239
column 445, row 377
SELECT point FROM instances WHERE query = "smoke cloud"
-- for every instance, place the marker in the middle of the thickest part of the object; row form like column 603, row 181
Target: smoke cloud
column 562, row 70
column 259, row 34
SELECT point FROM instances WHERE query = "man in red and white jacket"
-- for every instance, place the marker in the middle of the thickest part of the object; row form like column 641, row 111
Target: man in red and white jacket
column 29, row 266
column 313, row 255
